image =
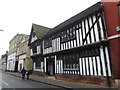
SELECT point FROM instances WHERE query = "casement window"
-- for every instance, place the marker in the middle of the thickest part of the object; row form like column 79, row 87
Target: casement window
column 34, row 47
column 65, row 35
column 38, row 42
column 68, row 35
column 71, row 33
column 33, row 34
column 70, row 61
column 48, row 42
column 45, row 43
column 77, row 26
column 35, row 50
column 62, row 38
column 89, row 53
column 38, row 64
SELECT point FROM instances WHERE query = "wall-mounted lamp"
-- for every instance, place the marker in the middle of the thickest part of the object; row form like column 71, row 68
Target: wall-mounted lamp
column 118, row 8
column 118, row 27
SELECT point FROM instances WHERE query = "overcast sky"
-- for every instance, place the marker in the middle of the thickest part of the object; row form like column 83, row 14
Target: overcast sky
column 17, row 16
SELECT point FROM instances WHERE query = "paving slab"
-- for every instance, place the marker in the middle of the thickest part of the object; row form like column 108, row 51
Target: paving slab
column 59, row 83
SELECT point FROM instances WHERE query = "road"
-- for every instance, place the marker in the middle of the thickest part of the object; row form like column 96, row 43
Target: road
column 9, row 81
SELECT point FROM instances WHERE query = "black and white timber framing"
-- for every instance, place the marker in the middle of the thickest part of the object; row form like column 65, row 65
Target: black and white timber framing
column 35, row 44
column 79, row 45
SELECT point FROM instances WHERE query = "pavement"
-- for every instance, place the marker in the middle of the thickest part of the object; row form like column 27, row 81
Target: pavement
column 10, row 82
column 58, row 83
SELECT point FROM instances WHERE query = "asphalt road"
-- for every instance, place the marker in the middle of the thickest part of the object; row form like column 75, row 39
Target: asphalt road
column 9, row 81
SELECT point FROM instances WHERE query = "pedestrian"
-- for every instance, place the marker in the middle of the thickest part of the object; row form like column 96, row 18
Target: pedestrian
column 27, row 73
column 23, row 72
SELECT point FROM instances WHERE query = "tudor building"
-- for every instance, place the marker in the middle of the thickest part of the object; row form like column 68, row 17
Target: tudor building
column 81, row 48
column 35, row 45
column 79, row 45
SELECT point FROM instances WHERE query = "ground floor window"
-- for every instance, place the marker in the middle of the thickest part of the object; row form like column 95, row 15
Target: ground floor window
column 88, row 62
column 71, row 61
column 38, row 66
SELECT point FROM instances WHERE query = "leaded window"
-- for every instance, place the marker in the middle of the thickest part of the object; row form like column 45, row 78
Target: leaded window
column 48, row 42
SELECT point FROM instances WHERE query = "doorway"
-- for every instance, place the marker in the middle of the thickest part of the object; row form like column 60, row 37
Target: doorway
column 50, row 67
column 16, row 66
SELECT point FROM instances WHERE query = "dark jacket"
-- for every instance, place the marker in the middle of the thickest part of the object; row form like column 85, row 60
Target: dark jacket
column 23, row 71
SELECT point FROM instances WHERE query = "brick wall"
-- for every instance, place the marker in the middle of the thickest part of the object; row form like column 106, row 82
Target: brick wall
column 85, row 79
column 112, row 18
column 41, row 74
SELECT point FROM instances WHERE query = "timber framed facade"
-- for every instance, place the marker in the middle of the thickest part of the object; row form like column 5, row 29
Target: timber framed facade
column 82, row 47
column 79, row 46
column 35, row 45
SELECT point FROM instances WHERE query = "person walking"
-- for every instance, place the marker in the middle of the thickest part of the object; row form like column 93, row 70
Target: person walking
column 27, row 73
column 23, row 72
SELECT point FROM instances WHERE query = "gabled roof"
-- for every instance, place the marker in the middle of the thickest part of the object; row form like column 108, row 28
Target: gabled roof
column 40, row 31
column 76, row 18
